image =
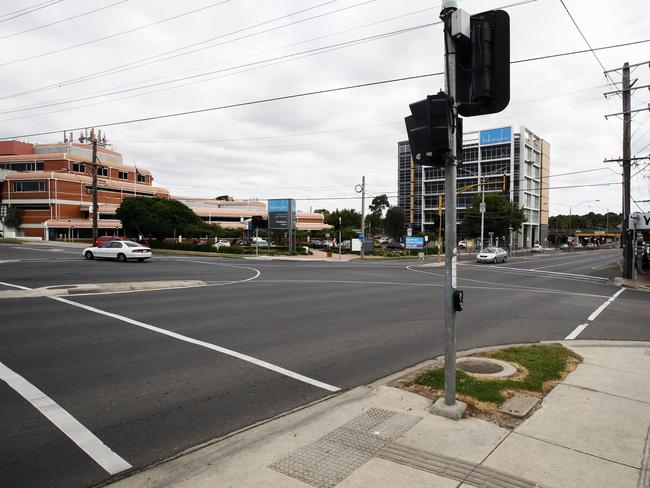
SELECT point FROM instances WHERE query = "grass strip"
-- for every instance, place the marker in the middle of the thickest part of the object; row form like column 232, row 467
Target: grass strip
column 544, row 362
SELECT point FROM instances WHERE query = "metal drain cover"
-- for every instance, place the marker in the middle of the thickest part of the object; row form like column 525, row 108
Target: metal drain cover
column 486, row 367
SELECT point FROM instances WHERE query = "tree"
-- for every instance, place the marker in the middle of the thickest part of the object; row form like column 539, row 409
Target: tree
column 349, row 218
column 379, row 204
column 323, row 211
column 14, row 217
column 500, row 215
column 395, row 222
column 160, row 218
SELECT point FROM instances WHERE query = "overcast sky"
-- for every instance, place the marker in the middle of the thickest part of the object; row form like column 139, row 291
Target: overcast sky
column 132, row 59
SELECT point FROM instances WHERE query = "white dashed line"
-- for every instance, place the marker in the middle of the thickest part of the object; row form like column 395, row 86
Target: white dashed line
column 66, row 423
column 593, row 316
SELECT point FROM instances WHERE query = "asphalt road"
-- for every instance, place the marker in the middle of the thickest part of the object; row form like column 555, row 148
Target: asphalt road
column 153, row 373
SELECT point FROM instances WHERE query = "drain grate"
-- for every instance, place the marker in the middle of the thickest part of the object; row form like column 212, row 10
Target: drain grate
column 327, row 461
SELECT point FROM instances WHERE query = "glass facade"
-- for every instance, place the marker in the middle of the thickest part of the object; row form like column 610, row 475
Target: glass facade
column 512, row 163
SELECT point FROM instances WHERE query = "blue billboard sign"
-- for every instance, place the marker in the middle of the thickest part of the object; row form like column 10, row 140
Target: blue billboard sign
column 414, row 242
column 279, row 205
column 495, row 136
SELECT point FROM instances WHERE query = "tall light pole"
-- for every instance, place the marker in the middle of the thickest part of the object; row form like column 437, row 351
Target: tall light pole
column 362, row 189
column 340, row 241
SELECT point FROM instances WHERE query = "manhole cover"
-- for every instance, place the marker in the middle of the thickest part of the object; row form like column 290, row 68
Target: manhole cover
column 480, row 367
column 486, row 367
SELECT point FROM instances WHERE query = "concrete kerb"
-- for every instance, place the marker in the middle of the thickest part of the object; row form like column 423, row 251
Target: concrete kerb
column 61, row 290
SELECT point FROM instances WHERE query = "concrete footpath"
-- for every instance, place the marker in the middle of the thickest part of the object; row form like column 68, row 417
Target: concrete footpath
column 591, row 431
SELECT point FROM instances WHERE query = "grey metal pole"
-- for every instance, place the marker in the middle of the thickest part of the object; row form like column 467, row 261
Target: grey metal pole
column 340, row 242
column 363, row 214
column 257, row 241
column 482, row 212
column 450, row 216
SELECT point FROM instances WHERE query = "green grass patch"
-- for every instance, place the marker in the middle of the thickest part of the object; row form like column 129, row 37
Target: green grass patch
column 544, row 362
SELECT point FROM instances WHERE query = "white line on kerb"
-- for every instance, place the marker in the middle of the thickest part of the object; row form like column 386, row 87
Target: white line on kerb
column 593, row 316
column 605, row 305
column 576, row 332
column 207, row 345
column 80, row 435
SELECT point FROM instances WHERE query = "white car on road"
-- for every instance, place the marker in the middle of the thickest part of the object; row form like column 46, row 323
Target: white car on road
column 120, row 250
column 537, row 248
column 492, row 255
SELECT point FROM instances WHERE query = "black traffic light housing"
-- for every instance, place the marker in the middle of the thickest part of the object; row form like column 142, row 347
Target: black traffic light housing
column 259, row 222
column 483, row 65
column 428, row 130
column 458, row 300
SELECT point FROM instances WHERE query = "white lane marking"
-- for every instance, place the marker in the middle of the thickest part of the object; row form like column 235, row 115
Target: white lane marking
column 540, row 273
column 66, row 423
column 15, row 286
column 48, row 249
column 593, row 316
column 207, row 345
column 576, row 332
column 509, row 287
column 605, row 305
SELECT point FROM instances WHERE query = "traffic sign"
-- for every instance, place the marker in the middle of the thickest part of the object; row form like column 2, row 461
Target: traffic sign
column 482, row 207
column 361, row 237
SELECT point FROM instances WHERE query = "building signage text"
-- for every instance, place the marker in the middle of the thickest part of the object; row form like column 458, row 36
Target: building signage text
column 495, row 136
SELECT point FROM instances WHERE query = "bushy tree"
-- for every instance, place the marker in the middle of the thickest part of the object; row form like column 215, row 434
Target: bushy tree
column 500, row 215
column 395, row 222
column 14, row 217
column 160, row 218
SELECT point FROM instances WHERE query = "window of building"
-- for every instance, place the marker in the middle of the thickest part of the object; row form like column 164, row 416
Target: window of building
column 498, row 151
column 123, row 175
column 23, row 167
column 78, row 167
column 32, row 186
column 102, row 171
column 142, row 178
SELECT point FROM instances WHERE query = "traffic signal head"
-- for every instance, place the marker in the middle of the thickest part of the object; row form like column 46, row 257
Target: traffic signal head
column 258, row 222
column 483, row 73
column 428, row 130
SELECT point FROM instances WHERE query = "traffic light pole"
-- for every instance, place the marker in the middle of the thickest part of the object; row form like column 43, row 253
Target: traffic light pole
column 94, row 173
column 451, row 407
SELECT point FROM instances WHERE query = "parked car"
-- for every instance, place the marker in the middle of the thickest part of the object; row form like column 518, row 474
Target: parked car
column 591, row 245
column 347, row 244
column 259, row 242
column 241, row 242
column 221, row 243
column 120, row 250
column 395, row 245
column 537, row 248
column 462, row 244
column 315, row 243
column 102, row 239
column 564, row 246
column 492, row 255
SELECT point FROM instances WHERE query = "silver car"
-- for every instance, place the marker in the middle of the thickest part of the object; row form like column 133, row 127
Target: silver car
column 492, row 255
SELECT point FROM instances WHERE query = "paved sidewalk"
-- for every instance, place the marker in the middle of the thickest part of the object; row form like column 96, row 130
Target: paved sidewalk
column 591, row 431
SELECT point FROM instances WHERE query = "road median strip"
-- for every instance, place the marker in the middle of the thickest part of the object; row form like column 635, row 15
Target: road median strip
column 91, row 288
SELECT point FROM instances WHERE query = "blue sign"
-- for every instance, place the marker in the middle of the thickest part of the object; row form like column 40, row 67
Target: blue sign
column 414, row 242
column 495, row 136
column 279, row 205
column 361, row 237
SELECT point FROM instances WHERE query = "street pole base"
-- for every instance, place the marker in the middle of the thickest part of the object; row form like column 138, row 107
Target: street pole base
column 453, row 412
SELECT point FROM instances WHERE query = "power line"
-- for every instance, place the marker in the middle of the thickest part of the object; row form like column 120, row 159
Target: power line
column 29, row 10
column 117, row 34
column 63, row 20
column 293, row 96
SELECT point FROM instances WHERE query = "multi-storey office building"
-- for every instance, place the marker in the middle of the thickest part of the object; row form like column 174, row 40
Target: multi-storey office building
column 52, row 183
column 488, row 155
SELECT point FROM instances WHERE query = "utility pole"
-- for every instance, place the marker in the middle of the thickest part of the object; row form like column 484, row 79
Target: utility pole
column 627, row 235
column 482, row 209
column 362, row 189
column 94, row 169
column 627, row 124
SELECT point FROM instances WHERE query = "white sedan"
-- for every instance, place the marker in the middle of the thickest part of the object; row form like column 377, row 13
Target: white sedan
column 492, row 255
column 120, row 250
